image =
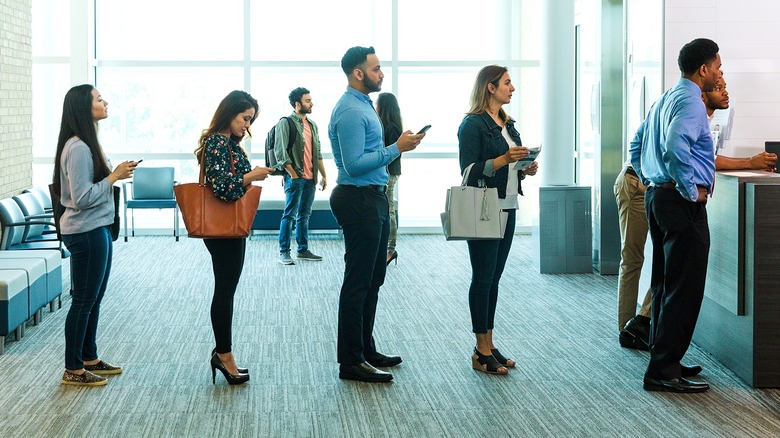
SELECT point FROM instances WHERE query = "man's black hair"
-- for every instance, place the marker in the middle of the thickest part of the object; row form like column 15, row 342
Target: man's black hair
column 354, row 57
column 695, row 54
column 297, row 94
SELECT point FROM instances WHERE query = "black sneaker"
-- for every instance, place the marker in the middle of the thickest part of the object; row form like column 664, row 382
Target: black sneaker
column 308, row 255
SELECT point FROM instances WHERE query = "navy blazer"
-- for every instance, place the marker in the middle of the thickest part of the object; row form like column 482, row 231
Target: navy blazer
column 479, row 140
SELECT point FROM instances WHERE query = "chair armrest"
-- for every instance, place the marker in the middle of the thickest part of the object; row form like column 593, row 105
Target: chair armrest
column 40, row 216
column 25, row 223
column 124, row 191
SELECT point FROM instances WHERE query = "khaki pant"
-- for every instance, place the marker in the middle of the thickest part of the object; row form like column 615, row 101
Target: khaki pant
column 630, row 197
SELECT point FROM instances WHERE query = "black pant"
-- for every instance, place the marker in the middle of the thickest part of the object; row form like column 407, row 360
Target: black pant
column 681, row 244
column 227, row 259
column 363, row 215
column 488, row 259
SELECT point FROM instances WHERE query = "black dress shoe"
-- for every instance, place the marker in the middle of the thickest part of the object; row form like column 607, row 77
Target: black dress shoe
column 379, row 360
column 675, row 385
column 639, row 327
column 627, row 340
column 363, row 372
column 690, row 371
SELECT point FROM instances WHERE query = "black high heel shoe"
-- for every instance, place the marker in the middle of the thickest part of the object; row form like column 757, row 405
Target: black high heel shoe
column 216, row 364
column 240, row 370
column 509, row 363
column 487, row 364
column 393, row 256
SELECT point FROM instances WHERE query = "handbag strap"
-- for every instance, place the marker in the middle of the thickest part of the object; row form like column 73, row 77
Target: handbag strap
column 485, row 212
column 202, row 176
column 466, row 175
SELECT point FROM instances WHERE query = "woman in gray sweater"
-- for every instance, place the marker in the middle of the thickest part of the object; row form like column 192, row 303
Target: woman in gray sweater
column 86, row 183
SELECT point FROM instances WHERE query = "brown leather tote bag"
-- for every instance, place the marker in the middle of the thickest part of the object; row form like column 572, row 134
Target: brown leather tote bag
column 207, row 216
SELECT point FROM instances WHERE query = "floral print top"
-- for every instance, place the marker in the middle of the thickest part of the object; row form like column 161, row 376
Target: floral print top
column 227, row 186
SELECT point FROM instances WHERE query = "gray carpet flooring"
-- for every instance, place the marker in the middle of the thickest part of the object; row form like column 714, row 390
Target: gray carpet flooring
column 572, row 379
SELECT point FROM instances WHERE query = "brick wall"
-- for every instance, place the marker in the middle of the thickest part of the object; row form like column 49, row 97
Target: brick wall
column 15, row 96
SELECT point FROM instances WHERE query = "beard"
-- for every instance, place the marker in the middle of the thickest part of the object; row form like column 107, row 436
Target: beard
column 371, row 85
column 306, row 110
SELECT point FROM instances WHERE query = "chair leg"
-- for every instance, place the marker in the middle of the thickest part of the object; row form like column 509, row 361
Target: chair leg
column 125, row 215
column 2, row 345
column 19, row 332
column 176, row 222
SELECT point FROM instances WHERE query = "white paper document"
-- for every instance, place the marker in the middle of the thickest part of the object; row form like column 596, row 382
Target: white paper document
column 525, row 162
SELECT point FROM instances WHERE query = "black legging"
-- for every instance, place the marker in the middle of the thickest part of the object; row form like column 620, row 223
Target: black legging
column 227, row 258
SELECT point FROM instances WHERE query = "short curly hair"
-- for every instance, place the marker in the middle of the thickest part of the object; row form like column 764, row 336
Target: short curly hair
column 695, row 54
column 297, row 94
column 354, row 57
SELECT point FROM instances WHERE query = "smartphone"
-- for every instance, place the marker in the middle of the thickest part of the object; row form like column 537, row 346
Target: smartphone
column 425, row 128
column 139, row 161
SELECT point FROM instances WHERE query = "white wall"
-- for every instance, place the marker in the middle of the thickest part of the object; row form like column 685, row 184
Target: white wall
column 16, row 95
column 749, row 40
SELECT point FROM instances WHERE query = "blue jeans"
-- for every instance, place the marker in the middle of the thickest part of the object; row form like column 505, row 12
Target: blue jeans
column 488, row 258
column 90, row 267
column 300, row 196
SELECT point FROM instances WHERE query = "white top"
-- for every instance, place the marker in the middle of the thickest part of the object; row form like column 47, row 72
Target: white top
column 510, row 201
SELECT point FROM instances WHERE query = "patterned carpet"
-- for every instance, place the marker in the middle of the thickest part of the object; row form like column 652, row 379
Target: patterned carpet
column 572, row 378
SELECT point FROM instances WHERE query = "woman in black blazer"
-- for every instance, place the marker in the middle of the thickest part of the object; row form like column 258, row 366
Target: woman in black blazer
column 488, row 146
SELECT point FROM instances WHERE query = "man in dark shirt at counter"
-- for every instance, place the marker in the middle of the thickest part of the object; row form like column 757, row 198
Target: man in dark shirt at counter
column 718, row 99
column 672, row 153
column 360, row 206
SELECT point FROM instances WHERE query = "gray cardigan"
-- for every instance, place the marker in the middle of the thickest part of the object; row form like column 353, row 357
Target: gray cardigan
column 87, row 205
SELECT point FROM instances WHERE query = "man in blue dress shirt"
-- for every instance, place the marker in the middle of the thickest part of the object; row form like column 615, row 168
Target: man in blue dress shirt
column 360, row 206
column 672, row 153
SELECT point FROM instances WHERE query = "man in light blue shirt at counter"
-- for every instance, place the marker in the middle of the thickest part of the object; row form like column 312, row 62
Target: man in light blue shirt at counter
column 360, row 206
column 672, row 153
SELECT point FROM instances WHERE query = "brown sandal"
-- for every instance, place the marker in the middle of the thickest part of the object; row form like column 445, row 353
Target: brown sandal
column 487, row 364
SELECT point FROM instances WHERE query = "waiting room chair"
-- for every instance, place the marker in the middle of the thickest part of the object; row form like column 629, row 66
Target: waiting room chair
column 14, row 224
column 151, row 187
column 34, row 211
column 43, row 197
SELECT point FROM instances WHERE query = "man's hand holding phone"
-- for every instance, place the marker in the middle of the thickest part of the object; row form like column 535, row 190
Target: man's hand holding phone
column 408, row 141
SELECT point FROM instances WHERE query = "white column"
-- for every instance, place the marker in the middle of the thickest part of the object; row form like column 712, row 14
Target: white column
column 557, row 70
column 79, row 42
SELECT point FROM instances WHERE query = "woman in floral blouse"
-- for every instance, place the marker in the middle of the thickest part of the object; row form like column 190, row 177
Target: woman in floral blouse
column 222, row 143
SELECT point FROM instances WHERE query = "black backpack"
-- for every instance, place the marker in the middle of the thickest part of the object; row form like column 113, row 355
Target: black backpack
column 270, row 140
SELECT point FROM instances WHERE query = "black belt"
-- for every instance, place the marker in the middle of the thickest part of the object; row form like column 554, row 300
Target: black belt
column 630, row 170
column 373, row 188
column 666, row 185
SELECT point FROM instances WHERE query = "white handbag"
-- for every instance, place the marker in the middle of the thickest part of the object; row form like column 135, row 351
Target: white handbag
column 472, row 213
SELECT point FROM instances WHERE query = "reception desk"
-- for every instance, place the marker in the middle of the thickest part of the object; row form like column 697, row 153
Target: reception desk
column 739, row 322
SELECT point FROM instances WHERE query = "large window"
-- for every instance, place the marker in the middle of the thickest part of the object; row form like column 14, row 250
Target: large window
column 163, row 74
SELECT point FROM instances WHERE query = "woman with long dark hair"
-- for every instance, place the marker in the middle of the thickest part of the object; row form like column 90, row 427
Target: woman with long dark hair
column 390, row 114
column 85, row 179
column 221, row 145
column 489, row 145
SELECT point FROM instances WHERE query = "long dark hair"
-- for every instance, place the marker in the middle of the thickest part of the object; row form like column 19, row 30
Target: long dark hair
column 388, row 110
column 77, row 121
column 235, row 103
